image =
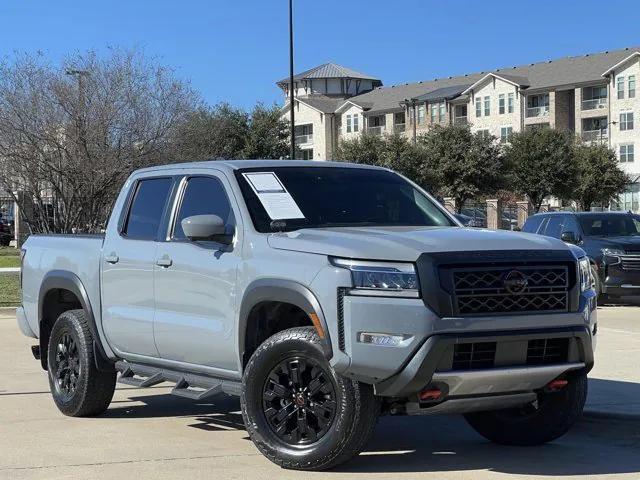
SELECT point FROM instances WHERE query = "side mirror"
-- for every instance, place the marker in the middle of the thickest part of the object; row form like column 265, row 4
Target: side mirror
column 569, row 237
column 204, row 227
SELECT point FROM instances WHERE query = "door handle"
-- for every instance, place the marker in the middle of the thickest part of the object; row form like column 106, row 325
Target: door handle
column 165, row 262
column 113, row 258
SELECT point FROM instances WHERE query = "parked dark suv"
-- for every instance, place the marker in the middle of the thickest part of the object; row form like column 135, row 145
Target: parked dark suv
column 611, row 240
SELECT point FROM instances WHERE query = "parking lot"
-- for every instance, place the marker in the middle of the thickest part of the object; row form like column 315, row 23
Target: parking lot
column 148, row 434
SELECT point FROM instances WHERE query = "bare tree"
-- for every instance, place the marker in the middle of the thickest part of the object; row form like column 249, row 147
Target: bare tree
column 71, row 134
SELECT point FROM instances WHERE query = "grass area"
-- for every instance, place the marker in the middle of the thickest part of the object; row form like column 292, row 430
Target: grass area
column 9, row 252
column 9, row 289
column 6, row 261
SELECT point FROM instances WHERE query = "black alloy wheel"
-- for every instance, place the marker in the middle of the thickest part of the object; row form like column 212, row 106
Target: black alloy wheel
column 67, row 366
column 299, row 401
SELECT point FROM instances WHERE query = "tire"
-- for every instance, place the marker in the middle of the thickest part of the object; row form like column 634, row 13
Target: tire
column 527, row 426
column 350, row 407
column 80, row 390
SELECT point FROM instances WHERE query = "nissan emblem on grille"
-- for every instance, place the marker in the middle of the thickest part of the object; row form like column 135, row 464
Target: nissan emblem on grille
column 515, row 282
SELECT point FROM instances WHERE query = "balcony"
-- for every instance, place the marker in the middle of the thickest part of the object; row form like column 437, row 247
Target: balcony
column 594, row 103
column 542, row 111
column 595, row 135
column 460, row 120
column 379, row 130
column 304, row 139
column 399, row 128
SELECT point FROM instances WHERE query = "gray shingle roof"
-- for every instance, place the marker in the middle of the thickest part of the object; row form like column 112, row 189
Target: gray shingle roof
column 543, row 75
column 328, row 70
column 321, row 102
column 445, row 93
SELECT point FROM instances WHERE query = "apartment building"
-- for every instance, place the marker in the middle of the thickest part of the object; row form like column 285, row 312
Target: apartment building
column 593, row 95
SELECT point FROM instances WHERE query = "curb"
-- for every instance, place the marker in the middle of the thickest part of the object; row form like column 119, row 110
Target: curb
column 5, row 310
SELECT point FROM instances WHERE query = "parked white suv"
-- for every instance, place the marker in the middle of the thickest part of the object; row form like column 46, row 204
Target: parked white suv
column 323, row 294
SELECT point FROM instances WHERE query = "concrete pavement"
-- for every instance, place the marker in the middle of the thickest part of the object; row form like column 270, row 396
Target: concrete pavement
column 148, row 434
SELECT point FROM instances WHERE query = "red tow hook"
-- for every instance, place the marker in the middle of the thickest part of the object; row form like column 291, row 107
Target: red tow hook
column 556, row 385
column 431, row 394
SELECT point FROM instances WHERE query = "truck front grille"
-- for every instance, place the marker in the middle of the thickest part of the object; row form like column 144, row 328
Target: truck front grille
column 473, row 356
column 547, row 351
column 497, row 290
column 630, row 262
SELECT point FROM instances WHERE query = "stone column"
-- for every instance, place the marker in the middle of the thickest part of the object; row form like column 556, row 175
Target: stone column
column 450, row 204
column 494, row 214
column 524, row 210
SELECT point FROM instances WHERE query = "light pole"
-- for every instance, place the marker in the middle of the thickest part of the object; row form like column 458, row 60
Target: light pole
column 291, row 94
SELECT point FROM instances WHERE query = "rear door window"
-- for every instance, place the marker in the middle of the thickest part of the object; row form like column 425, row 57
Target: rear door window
column 147, row 208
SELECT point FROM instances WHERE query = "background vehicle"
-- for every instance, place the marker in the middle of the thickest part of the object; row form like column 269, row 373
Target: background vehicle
column 6, row 234
column 611, row 240
column 323, row 294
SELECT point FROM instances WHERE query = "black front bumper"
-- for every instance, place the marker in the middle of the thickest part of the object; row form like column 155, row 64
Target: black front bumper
column 434, row 355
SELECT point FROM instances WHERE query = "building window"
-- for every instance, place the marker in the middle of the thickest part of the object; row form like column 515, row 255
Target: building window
column 505, row 133
column 483, row 133
column 501, row 104
column 620, row 88
column 487, row 106
column 306, row 154
column 421, row 114
column 632, row 86
column 626, row 121
column 434, row 112
column 356, row 122
column 511, row 104
column 478, row 107
column 627, row 152
column 442, row 111
column 348, row 123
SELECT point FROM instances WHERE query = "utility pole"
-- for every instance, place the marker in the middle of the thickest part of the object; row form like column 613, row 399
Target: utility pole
column 291, row 94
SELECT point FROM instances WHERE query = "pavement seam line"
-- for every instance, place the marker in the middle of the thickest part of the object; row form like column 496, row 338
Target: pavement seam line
column 125, row 462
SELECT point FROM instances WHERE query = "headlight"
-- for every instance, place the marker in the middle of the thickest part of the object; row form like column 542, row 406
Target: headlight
column 611, row 256
column 585, row 274
column 381, row 278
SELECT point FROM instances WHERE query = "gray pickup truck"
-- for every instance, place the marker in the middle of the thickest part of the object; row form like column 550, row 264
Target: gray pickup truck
column 323, row 294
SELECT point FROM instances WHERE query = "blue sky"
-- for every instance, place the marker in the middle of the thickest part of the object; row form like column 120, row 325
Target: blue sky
column 235, row 51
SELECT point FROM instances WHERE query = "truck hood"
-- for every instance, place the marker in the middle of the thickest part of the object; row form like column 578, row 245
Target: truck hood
column 406, row 243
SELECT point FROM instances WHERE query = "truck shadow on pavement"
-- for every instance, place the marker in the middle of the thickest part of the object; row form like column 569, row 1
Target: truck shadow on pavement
column 599, row 444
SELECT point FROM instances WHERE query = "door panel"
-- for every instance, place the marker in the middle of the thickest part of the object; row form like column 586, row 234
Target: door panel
column 195, row 283
column 128, row 259
column 195, row 305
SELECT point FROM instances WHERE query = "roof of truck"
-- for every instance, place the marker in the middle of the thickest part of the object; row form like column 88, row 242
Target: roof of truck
column 239, row 164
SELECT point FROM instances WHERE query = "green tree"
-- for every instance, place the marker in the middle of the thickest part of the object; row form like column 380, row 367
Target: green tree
column 268, row 135
column 366, row 148
column 599, row 179
column 218, row 132
column 391, row 151
column 464, row 165
column 542, row 164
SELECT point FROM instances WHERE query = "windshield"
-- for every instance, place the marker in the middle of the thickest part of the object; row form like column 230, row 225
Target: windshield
column 344, row 197
column 610, row 225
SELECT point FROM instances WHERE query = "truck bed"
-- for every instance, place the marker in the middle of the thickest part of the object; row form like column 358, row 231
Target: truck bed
column 79, row 254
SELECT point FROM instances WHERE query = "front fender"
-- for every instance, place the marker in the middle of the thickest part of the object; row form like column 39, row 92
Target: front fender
column 287, row 291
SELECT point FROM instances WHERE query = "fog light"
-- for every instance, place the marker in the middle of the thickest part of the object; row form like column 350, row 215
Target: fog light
column 382, row 339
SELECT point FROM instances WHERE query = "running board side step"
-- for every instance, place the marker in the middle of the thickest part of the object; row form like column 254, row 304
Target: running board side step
column 187, row 385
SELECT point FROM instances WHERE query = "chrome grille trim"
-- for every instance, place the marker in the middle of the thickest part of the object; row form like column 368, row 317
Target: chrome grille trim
column 630, row 262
